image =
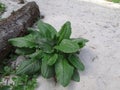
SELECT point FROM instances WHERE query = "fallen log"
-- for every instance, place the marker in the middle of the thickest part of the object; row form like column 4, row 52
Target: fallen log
column 16, row 25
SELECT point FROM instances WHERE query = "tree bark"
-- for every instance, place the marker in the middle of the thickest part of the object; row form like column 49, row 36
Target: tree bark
column 16, row 25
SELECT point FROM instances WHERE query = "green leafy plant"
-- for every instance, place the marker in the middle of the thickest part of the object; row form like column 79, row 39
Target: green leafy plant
column 116, row 1
column 23, row 82
column 51, row 53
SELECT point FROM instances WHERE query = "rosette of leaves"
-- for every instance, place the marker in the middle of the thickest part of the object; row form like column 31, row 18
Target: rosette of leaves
column 51, row 53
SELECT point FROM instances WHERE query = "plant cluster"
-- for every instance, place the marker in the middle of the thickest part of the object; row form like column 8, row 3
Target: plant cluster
column 50, row 53
column 116, row 1
column 23, row 82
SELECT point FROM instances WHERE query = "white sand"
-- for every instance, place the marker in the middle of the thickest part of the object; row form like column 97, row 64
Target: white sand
column 96, row 20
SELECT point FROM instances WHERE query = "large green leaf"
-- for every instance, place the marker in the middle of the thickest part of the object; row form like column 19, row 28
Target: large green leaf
column 65, row 32
column 5, row 88
column 52, row 59
column 24, row 51
column 45, row 44
column 76, row 76
column 81, row 41
column 52, row 30
column 46, row 29
column 26, row 41
column 28, row 67
column 75, row 61
column 19, row 87
column 36, row 55
column 46, row 70
column 64, row 72
column 67, row 46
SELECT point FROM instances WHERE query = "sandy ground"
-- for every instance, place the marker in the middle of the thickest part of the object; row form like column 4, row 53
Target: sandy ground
column 96, row 20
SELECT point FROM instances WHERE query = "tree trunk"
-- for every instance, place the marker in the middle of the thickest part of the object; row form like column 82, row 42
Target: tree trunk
column 16, row 25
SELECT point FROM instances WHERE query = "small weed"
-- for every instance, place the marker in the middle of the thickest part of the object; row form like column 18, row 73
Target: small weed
column 116, row 1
